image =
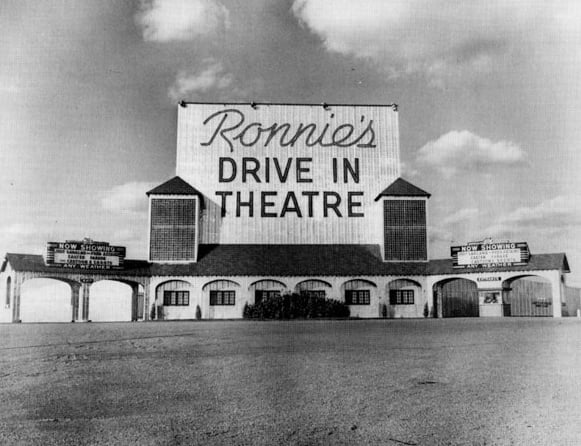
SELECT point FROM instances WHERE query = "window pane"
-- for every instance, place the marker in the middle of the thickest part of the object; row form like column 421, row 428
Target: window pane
column 221, row 297
column 172, row 298
column 401, row 297
column 358, row 297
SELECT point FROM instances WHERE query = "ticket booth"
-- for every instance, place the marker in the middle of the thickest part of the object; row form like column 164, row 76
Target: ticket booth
column 493, row 303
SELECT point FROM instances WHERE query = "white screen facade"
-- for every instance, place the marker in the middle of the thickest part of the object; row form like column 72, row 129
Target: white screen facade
column 288, row 174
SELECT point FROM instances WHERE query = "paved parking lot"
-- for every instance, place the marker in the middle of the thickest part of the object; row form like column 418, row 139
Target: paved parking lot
column 411, row 382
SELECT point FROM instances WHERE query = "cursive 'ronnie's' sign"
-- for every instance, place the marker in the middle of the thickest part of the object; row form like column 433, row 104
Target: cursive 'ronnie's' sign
column 274, row 173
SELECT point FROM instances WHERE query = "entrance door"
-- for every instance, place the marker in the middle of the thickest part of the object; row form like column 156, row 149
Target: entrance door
column 459, row 298
column 531, row 297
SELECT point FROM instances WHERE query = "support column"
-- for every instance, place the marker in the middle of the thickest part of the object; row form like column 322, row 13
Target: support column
column 438, row 302
column 557, row 295
column 86, row 296
column 146, row 301
column 75, row 291
column 16, row 297
column 506, row 308
column 134, row 301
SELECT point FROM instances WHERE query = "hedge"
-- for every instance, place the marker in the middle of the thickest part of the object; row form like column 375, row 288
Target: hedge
column 296, row 306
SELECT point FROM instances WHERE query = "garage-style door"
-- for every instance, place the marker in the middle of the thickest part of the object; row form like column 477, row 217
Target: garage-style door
column 458, row 297
column 530, row 297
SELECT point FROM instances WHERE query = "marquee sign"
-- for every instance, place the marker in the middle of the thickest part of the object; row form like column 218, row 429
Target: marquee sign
column 489, row 254
column 85, row 254
column 287, row 173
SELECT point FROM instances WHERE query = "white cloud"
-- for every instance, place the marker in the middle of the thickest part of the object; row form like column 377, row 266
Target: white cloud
column 461, row 216
column 438, row 234
column 180, row 20
column 441, row 39
column 9, row 88
column 560, row 214
column 408, row 170
column 553, row 225
column 457, row 150
column 22, row 237
column 568, row 16
column 212, row 77
column 20, row 229
column 128, row 197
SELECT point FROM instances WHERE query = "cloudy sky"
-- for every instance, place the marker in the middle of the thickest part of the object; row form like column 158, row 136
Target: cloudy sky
column 489, row 95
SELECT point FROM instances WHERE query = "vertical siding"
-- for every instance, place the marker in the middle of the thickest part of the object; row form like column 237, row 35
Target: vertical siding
column 171, row 285
column 308, row 285
column 357, row 285
column 405, row 236
column 530, row 298
column 573, row 299
column 173, row 229
column 356, row 310
column 459, row 299
column 402, row 311
column 401, row 283
column 6, row 286
column 266, row 285
column 243, row 285
column 8, row 292
column 199, row 166
column 220, row 285
column 223, row 311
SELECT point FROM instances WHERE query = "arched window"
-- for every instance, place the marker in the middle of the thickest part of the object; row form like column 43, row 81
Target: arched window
column 174, row 293
column 222, row 292
column 358, row 292
column 266, row 289
column 403, row 291
column 316, row 288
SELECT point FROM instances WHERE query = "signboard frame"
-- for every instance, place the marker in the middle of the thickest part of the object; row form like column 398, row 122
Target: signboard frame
column 86, row 254
column 288, row 173
column 490, row 255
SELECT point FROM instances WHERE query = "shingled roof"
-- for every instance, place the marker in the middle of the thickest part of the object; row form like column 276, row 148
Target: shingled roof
column 402, row 188
column 175, row 186
column 35, row 263
column 290, row 260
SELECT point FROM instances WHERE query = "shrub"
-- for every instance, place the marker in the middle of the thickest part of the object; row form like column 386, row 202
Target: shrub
column 293, row 306
column 248, row 311
column 383, row 310
column 156, row 312
column 153, row 313
column 198, row 312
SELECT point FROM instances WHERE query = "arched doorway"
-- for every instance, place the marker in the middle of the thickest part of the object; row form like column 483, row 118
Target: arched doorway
column 110, row 301
column 457, row 297
column 45, row 300
column 529, row 296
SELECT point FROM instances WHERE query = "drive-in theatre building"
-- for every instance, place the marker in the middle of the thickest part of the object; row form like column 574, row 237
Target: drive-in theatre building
column 277, row 198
